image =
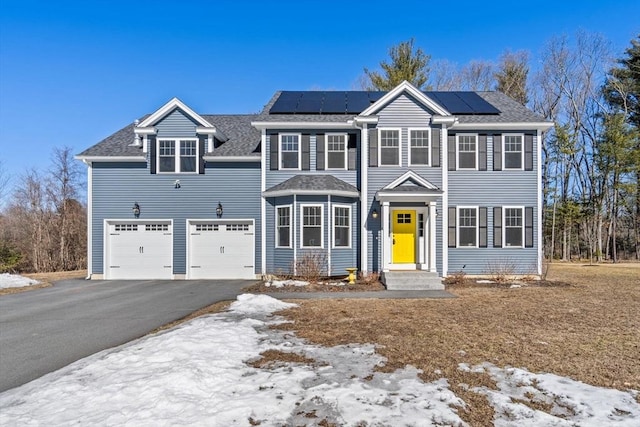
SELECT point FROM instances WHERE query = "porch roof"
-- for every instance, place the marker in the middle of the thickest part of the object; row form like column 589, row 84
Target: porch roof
column 326, row 185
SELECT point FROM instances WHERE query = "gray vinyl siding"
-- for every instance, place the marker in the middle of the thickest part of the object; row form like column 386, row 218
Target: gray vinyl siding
column 116, row 186
column 279, row 260
column 404, row 111
column 491, row 189
column 176, row 124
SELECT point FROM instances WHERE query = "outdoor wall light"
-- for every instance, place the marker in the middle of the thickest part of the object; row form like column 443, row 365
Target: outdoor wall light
column 219, row 210
column 136, row 210
column 176, row 184
column 374, row 214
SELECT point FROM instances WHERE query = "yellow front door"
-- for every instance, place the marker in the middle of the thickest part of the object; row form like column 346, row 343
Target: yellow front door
column 403, row 237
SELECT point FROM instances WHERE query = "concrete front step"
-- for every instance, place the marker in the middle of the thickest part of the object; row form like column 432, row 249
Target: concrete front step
column 411, row 280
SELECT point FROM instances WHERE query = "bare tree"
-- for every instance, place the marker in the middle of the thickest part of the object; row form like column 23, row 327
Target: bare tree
column 444, row 75
column 477, row 75
column 4, row 184
column 511, row 77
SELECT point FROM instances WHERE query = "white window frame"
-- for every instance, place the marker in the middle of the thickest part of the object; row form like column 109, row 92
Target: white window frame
column 380, row 130
column 458, row 167
column 312, row 205
column 333, row 225
column 326, row 150
column 428, row 146
column 176, row 155
column 280, row 162
column 277, row 227
column 477, row 210
column 504, row 227
column 504, row 151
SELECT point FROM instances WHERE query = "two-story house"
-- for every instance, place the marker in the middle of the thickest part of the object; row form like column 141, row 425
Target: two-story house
column 405, row 180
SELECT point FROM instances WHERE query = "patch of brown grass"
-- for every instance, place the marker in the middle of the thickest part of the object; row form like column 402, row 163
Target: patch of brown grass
column 274, row 358
column 45, row 279
column 589, row 331
column 360, row 286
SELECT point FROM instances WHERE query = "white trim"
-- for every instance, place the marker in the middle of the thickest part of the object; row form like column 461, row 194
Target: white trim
column 209, row 144
column 405, row 86
column 232, row 159
column 360, row 120
column 385, row 248
column 339, row 193
column 540, row 126
column 364, row 198
column 333, row 225
column 176, row 156
column 311, row 205
column 380, row 130
column 168, row 108
column 444, row 136
column 144, row 131
column 503, row 148
column 89, row 220
column 263, row 203
column 443, row 120
column 280, row 167
column 303, row 125
column 276, row 245
column 539, row 202
column 504, row 227
column 432, row 236
column 123, row 159
column 409, row 146
column 458, row 135
column 407, row 176
column 477, row 227
column 345, row 151
column 329, row 234
column 295, row 235
column 382, row 196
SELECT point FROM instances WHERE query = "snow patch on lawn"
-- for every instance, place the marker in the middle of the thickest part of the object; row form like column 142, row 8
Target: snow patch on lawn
column 15, row 281
column 298, row 283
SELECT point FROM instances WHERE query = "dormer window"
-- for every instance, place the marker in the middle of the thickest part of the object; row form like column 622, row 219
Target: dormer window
column 177, row 156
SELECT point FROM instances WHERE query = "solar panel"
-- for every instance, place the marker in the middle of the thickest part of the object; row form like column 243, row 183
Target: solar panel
column 334, row 103
column 286, row 103
column 451, row 102
column 310, row 103
column 357, row 101
column 478, row 104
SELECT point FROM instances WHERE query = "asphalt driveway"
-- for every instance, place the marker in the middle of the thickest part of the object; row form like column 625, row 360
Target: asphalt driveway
column 47, row 329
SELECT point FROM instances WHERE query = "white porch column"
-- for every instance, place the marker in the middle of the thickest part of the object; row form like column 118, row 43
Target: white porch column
column 386, row 237
column 432, row 236
column 364, row 199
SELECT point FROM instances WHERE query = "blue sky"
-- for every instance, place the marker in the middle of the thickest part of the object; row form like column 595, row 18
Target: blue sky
column 72, row 73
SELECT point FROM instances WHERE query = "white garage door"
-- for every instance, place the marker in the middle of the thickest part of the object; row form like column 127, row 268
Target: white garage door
column 139, row 250
column 221, row 249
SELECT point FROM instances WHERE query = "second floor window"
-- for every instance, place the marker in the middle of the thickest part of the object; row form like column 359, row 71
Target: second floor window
column 467, row 151
column 336, row 151
column 389, row 147
column 419, row 140
column 176, row 156
column 289, row 151
column 512, row 151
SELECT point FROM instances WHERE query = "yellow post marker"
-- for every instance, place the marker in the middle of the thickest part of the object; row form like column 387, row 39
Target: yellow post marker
column 352, row 275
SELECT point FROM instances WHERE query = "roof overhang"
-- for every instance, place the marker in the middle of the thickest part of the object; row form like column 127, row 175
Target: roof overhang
column 232, row 159
column 542, row 126
column 111, row 159
column 299, row 192
column 444, row 120
column 390, row 196
column 407, row 87
column 303, row 125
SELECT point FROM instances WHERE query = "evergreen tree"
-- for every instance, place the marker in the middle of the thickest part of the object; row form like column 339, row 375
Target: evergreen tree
column 511, row 77
column 405, row 64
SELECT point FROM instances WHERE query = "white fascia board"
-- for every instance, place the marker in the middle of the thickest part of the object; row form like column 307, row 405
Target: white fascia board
column 145, row 131
column 169, row 107
column 405, row 86
column 444, row 120
column 427, row 196
column 542, row 126
column 411, row 175
column 89, row 159
column 366, row 120
column 280, row 193
column 235, row 159
column 302, row 125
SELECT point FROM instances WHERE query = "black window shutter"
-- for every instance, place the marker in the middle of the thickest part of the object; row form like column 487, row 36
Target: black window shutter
column 452, row 226
column 482, row 152
column 151, row 141
column 528, row 227
column 373, row 147
column 320, row 152
column 273, row 152
column 435, row 147
column 202, row 143
column 528, row 152
column 497, row 152
column 482, row 232
column 497, row 227
column 306, row 155
column 452, row 152
column 352, row 151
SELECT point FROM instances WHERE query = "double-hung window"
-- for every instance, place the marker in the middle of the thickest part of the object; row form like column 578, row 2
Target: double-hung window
column 177, row 156
column 419, row 146
column 283, row 227
column 312, row 226
column 467, row 151
column 468, row 227
column 289, row 151
column 341, row 226
column 389, row 147
column 336, row 151
column 513, row 152
column 513, row 227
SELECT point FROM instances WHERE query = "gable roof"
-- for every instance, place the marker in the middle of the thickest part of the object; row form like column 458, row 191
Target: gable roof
column 167, row 108
column 313, row 185
column 405, row 87
column 408, row 187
